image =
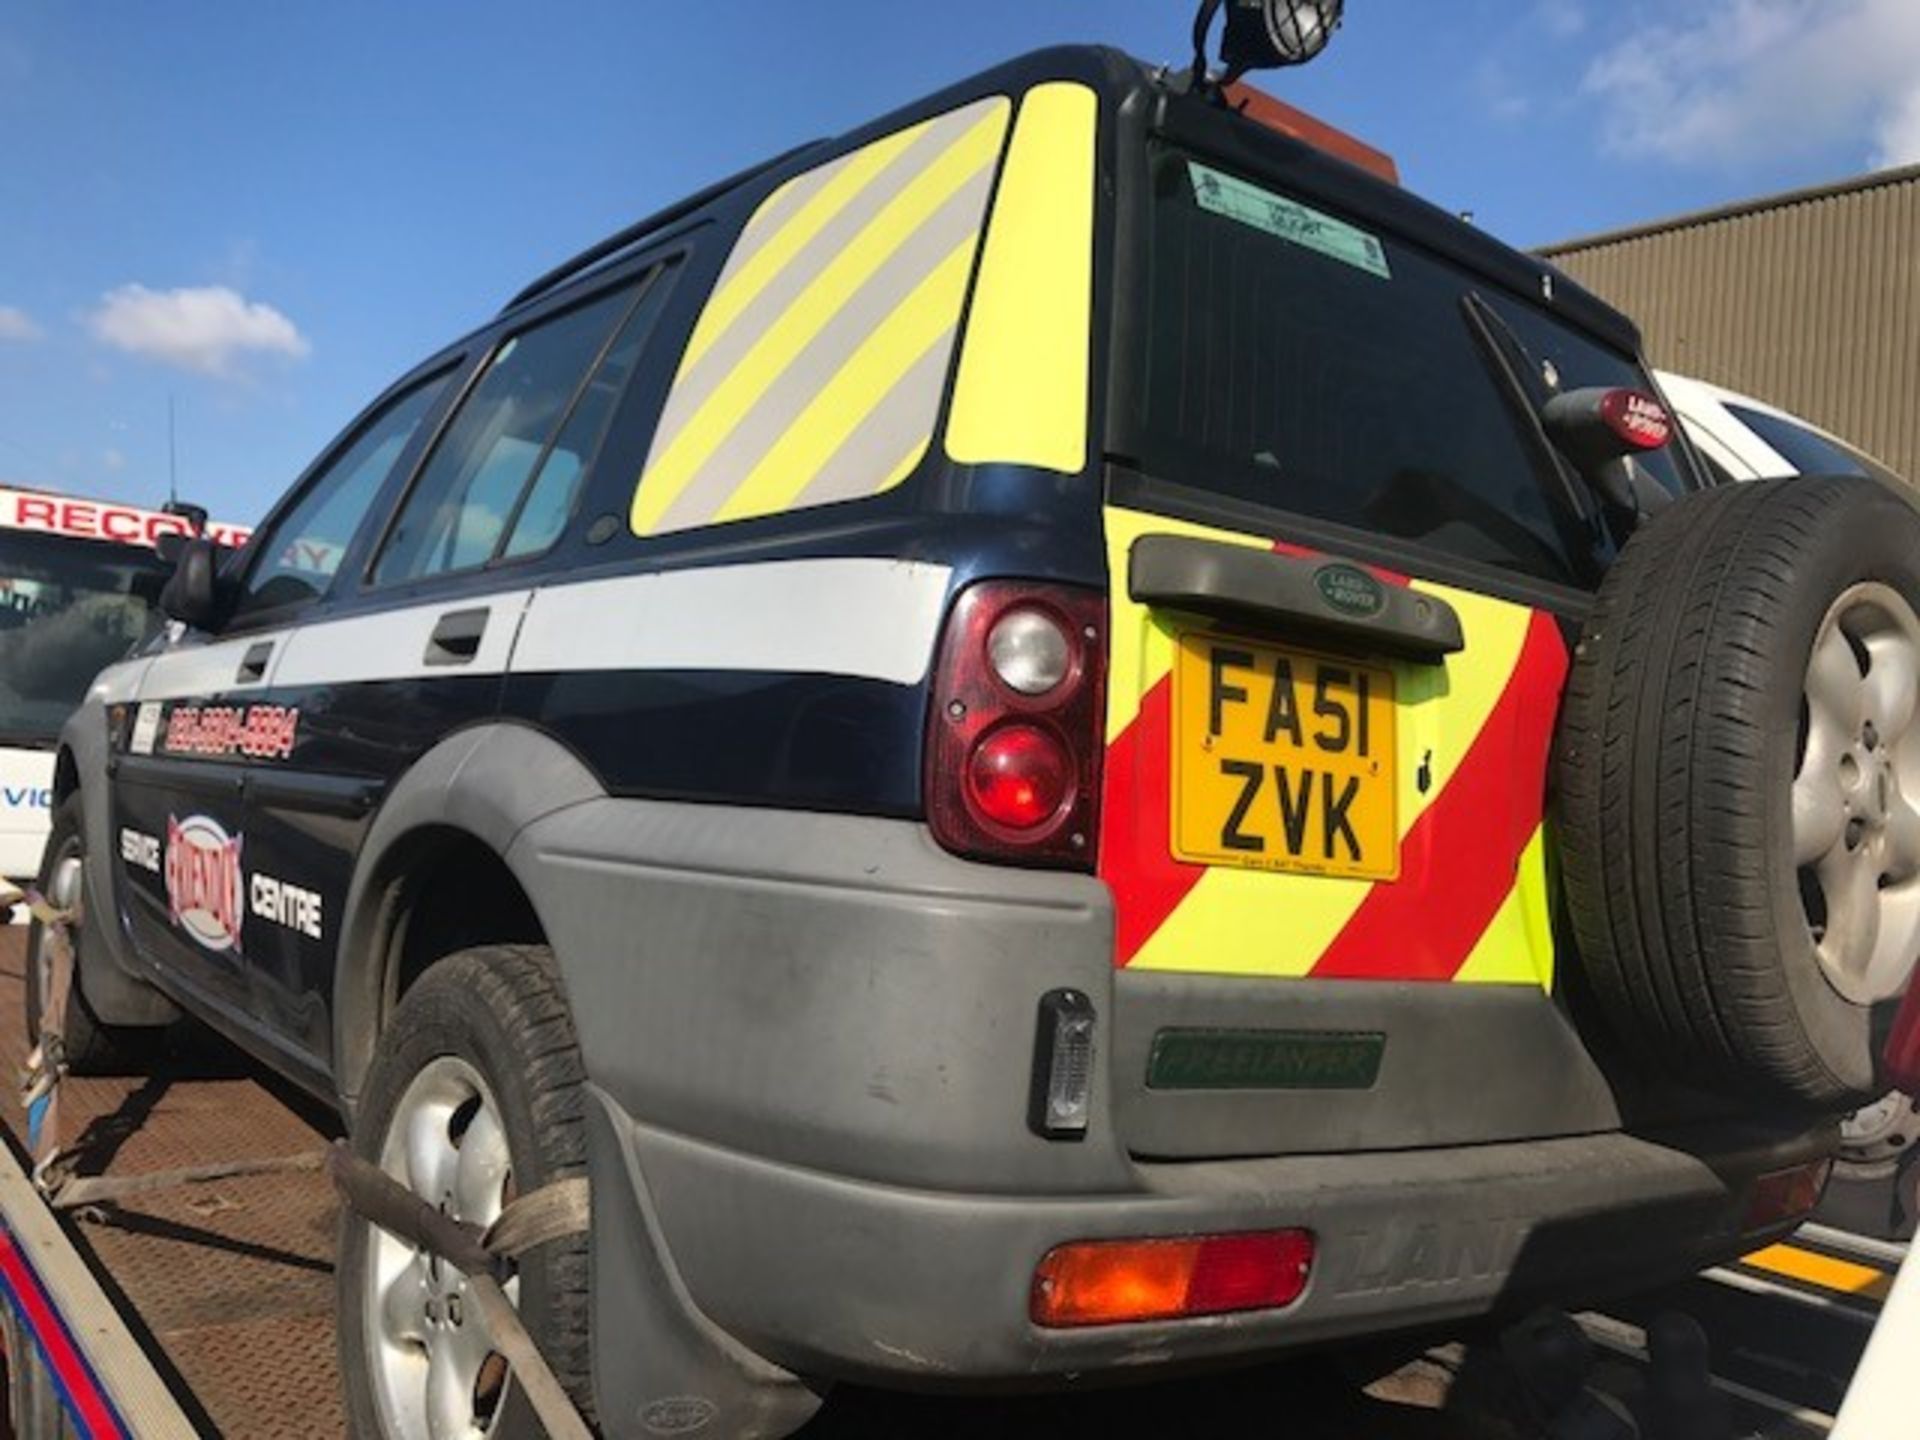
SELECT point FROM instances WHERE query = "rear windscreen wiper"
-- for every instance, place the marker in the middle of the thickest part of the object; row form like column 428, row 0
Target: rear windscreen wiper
column 1494, row 336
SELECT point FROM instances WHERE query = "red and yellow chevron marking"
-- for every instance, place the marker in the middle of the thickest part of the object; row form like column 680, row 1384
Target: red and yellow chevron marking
column 1471, row 901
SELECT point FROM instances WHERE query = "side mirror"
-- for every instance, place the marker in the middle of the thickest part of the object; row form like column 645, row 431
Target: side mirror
column 192, row 595
column 1601, row 431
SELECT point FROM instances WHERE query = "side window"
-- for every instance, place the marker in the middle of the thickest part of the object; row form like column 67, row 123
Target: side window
column 299, row 555
column 502, row 480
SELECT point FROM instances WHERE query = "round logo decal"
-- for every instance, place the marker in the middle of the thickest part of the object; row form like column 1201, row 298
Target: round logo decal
column 679, row 1414
column 1350, row 590
column 203, row 880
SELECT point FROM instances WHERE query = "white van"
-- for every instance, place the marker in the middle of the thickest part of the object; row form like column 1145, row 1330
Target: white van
column 79, row 582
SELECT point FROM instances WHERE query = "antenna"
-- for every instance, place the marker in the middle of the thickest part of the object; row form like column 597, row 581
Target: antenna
column 173, row 477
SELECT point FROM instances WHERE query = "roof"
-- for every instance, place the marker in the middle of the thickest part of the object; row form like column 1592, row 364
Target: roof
column 1279, row 142
column 1876, row 180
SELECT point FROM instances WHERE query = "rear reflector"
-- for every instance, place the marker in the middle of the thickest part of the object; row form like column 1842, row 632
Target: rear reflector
column 1061, row 1103
column 1115, row 1282
column 1786, row 1195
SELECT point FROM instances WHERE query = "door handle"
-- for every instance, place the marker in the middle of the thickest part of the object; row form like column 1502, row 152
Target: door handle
column 456, row 637
column 1237, row 583
column 253, row 665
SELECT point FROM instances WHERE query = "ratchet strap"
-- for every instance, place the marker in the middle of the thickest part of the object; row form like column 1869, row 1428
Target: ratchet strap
column 548, row 1213
column 552, row 1212
column 46, row 1063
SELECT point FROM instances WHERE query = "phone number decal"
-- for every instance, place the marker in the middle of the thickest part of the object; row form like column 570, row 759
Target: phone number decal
column 259, row 732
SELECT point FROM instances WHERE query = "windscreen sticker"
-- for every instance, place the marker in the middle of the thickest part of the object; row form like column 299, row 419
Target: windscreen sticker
column 1219, row 193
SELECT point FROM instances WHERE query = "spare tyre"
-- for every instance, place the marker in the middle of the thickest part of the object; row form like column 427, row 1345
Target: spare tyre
column 1737, row 785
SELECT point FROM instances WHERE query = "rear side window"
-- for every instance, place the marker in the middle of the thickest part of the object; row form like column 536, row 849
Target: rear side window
column 502, row 480
column 301, row 552
column 1300, row 362
column 816, row 370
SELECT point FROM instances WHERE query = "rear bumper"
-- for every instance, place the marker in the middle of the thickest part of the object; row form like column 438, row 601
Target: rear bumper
column 811, row 1042
column 835, row 1277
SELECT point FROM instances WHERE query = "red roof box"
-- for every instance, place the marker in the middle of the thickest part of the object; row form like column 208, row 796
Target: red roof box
column 1278, row 115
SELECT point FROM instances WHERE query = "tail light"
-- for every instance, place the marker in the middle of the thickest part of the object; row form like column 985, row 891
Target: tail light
column 1014, row 742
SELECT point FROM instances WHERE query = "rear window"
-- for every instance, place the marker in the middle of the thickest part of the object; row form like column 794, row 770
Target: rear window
column 1297, row 361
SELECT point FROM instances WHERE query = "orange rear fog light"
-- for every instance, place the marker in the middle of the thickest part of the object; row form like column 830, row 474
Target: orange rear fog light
column 1113, row 1282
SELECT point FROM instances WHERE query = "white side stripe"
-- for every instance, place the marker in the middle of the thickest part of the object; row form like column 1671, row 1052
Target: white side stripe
column 199, row 671
column 876, row 619
column 393, row 644
column 118, row 683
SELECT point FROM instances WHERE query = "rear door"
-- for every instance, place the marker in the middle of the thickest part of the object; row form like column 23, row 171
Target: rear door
column 1305, row 790
column 1288, row 798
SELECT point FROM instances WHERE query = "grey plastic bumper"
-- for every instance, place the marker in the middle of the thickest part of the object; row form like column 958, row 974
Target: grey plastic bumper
column 811, row 1042
column 828, row 1276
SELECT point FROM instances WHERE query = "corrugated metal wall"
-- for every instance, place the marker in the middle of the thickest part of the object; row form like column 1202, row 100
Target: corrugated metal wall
column 1809, row 300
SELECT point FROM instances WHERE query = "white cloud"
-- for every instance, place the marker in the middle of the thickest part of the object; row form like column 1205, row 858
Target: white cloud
column 1500, row 95
column 1899, row 132
column 16, row 324
column 112, row 459
column 210, row 329
column 1729, row 82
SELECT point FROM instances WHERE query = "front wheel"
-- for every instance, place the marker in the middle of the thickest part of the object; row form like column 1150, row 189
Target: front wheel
column 475, row 1096
column 92, row 1048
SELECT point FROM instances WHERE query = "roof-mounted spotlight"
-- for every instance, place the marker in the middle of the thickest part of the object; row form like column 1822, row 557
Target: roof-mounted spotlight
column 1265, row 34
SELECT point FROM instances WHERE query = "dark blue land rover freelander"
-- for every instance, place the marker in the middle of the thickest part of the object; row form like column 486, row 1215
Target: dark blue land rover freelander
column 1057, row 734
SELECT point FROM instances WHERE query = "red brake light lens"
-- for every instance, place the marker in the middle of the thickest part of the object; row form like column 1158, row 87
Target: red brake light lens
column 1014, row 738
column 1637, row 418
column 1019, row 776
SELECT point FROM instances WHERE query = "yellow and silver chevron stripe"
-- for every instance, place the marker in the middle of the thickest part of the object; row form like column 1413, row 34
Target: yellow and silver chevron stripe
column 816, row 369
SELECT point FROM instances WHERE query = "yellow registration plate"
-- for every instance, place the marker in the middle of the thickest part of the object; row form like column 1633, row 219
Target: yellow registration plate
column 1282, row 759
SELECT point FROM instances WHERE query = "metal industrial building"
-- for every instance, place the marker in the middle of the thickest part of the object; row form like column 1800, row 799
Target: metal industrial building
column 1810, row 300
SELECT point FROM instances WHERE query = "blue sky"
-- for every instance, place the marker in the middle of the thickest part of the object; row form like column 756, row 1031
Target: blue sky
column 269, row 210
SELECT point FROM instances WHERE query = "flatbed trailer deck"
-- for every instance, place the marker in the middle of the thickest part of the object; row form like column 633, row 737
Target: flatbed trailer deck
column 227, row 1286
column 207, row 1308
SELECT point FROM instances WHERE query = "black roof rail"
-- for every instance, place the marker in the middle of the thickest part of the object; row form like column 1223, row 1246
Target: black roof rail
column 640, row 229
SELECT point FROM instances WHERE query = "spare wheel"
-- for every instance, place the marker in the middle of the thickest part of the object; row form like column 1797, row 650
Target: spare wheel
column 1737, row 785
